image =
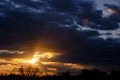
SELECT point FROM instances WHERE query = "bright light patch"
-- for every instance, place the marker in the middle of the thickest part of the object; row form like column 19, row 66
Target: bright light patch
column 52, row 69
column 107, row 12
column 48, row 55
column 34, row 59
column 37, row 57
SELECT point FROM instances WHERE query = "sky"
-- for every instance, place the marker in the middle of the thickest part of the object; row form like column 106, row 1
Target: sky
column 100, row 3
column 59, row 35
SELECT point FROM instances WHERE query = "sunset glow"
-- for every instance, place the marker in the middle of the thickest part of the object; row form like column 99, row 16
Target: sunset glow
column 36, row 58
column 52, row 36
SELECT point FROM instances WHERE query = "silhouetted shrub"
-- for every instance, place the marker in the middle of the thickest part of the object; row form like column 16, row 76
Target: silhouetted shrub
column 85, row 75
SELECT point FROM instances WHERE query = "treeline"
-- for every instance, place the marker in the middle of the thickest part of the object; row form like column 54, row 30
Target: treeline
column 84, row 75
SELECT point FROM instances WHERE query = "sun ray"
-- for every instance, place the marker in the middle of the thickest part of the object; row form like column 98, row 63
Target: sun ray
column 40, row 56
column 37, row 57
column 34, row 59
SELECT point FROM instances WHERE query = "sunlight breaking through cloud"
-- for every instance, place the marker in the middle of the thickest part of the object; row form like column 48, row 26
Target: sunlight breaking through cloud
column 39, row 60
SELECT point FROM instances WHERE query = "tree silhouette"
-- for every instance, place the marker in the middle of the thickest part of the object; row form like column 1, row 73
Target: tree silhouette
column 29, row 71
column 21, row 70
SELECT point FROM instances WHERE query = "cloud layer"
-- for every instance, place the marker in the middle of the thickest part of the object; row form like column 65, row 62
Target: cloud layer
column 75, row 28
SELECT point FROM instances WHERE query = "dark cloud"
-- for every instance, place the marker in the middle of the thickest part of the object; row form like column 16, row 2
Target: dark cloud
column 97, row 52
column 63, row 6
column 28, row 24
column 115, row 12
column 10, row 54
column 104, row 25
column 113, row 7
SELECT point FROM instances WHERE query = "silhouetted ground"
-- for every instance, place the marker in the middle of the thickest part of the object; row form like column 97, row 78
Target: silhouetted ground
column 84, row 75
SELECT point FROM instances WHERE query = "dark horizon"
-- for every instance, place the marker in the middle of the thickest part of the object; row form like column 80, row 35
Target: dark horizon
column 84, row 75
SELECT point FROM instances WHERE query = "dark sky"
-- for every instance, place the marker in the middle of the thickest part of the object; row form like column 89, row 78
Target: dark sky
column 84, row 31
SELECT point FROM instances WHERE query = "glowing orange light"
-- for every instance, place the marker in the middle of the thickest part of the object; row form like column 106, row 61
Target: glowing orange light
column 38, row 56
column 34, row 59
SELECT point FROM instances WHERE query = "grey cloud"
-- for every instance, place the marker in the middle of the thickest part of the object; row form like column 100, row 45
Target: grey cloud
column 9, row 54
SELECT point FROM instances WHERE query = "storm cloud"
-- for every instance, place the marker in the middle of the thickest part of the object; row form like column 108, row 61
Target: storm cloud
column 75, row 28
